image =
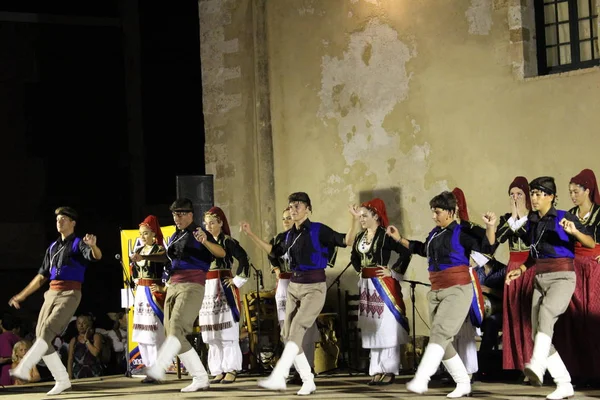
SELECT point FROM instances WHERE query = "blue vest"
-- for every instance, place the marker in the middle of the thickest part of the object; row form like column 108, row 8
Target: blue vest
column 320, row 254
column 71, row 270
column 190, row 262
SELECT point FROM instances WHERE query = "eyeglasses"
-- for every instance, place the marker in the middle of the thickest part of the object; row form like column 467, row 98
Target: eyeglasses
column 180, row 213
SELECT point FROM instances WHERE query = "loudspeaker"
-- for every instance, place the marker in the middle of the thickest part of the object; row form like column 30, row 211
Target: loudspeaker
column 200, row 190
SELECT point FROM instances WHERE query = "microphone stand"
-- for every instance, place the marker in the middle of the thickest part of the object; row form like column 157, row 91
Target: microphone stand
column 130, row 285
column 259, row 279
column 413, row 285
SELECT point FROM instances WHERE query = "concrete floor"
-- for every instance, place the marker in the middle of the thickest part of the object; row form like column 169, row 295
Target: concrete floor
column 339, row 386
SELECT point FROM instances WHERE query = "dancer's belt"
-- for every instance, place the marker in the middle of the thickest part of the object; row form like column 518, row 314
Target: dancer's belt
column 218, row 273
column 310, row 276
column 370, row 272
column 545, row 265
column 285, row 275
column 148, row 282
column 60, row 285
column 449, row 277
column 518, row 256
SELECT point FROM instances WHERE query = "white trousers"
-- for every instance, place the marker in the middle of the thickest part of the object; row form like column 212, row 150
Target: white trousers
column 385, row 361
column 148, row 353
column 224, row 356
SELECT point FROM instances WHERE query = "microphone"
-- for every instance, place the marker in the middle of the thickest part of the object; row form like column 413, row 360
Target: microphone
column 260, row 280
column 118, row 257
column 130, row 280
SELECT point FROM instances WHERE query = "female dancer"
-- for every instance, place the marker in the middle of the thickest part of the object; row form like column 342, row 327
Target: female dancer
column 220, row 312
column 517, row 340
column 382, row 314
column 148, row 315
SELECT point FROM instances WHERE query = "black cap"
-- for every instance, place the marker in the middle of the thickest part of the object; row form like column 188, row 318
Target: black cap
column 300, row 196
column 67, row 212
column 182, row 204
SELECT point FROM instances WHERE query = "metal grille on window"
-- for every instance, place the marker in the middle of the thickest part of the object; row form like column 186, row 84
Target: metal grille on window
column 567, row 35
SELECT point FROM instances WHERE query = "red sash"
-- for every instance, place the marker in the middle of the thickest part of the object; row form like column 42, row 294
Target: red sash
column 518, row 256
column 586, row 252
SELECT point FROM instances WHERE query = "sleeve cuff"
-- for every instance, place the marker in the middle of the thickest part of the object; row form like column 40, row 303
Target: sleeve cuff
column 238, row 281
column 397, row 276
column 516, row 224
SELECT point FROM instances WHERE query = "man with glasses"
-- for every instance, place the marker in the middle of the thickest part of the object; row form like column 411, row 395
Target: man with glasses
column 190, row 251
column 551, row 234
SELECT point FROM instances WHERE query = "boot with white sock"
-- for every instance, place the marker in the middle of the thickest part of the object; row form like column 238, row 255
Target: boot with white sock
column 192, row 362
column 59, row 373
column 308, row 381
column 168, row 350
column 562, row 378
column 536, row 367
column 31, row 358
column 429, row 364
column 276, row 381
column 456, row 368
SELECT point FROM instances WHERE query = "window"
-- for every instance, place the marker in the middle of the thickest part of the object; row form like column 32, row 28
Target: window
column 567, row 35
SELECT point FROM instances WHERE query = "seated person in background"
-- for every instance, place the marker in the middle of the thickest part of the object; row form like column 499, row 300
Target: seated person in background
column 84, row 351
column 8, row 339
column 491, row 277
column 118, row 336
column 19, row 351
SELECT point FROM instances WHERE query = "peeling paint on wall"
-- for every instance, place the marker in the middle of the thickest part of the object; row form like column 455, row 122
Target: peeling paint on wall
column 358, row 91
column 479, row 16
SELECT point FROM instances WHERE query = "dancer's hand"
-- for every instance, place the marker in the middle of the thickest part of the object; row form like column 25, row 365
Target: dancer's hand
column 90, row 240
column 200, row 235
column 490, row 219
column 15, row 302
column 568, row 226
column 354, row 210
column 228, row 282
column 384, row 272
column 514, row 274
column 135, row 257
column 245, row 227
column 514, row 210
column 392, row 231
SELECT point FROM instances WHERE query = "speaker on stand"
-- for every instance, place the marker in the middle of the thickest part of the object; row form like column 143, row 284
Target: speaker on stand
column 200, row 190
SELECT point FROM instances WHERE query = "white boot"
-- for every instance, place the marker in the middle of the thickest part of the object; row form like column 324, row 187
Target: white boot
column 429, row 364
column 276, row 381
column 168, row 350
column 32, row 357
column 536, row 367
column 459, row 373
column 561, row 376
column 308, row 381
column 59, row 373
column 192, row 362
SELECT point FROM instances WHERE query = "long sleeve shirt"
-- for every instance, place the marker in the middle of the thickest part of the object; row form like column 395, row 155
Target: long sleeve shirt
column 185, row 252
column 546, row 236
column 591, row 222
column 506, row 232
column 298, row 245
column 379, row 252
column 449, row 247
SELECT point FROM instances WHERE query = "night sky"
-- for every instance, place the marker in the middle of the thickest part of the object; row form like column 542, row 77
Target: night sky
column 70, row 82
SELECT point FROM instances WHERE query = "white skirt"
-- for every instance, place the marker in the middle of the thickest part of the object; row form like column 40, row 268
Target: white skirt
column 216, row 317
column 379, row 328
column 147, row 327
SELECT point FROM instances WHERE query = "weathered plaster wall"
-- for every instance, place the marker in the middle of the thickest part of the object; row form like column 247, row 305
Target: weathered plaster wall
column 403, row 99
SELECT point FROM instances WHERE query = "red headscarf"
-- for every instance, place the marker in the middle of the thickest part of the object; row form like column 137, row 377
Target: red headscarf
column 587, row 179
column 152, row 222
column 216, row 211
column 378, row 207
column 521, row 183
column 461, row 202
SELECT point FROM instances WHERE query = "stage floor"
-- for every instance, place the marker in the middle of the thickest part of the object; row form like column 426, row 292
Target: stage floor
column 339, row 386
